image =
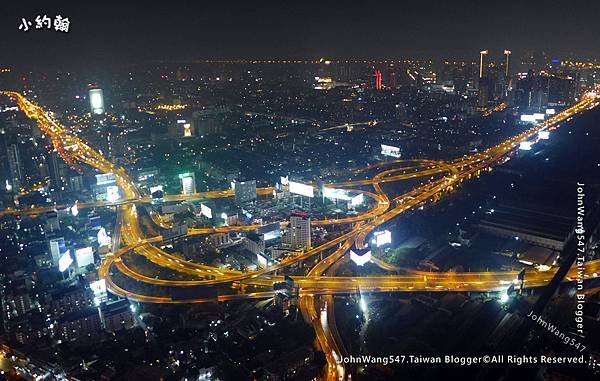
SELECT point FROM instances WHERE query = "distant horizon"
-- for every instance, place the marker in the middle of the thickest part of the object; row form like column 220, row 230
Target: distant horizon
column 114, row 32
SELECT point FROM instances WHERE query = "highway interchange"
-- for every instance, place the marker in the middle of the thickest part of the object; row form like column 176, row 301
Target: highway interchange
column 317, row 286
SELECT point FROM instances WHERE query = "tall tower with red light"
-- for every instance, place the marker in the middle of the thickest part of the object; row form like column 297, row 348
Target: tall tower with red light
column 377, row 79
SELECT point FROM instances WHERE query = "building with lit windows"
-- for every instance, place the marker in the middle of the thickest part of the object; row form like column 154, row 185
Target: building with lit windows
column 298, row 234
column 117, row 315
column 244, row 190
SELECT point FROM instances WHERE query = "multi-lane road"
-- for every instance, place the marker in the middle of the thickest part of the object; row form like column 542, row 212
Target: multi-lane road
column 441, row 177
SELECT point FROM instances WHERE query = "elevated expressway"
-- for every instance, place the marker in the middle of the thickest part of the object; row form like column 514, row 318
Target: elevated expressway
column 456, row 172
column 74, row 150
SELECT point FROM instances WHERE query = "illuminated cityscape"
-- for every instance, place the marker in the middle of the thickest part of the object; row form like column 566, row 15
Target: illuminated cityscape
column 302, row 192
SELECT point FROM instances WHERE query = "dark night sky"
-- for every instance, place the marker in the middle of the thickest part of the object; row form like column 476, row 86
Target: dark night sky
column 106, row 31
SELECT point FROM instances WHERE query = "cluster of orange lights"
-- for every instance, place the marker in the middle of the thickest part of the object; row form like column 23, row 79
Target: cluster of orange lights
column 171, row 107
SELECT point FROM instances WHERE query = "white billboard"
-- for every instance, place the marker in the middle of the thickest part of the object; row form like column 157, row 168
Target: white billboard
column 358, row 199
column 301, row 189
column 84, row 256
column 103, row 238
column 336, row 194
column 65, row 261
column 550, row 111
column 105, row 178
column 96, row 101
column 544, row 135
column 156, row 189
column 284, row 180
column 382, row 238
column 99, row 289
column 527, row 118
column 525, row 146
column 539, row 116
column 360, row 260
column 262, row 261
column 206, row 211
column 390, row 151
column 74, row 209
column 112, row 193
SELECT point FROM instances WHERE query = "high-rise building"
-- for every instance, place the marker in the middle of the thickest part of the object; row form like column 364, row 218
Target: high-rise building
column 560, row 90
column 15, row 166
column 244, row 190
column 57, row 249
column 188, row 183
column 298, row 234
column 96, row 100
column 377, row 75
column 117, row 315
column 391, row 77
column 507, row 54
column 484, row 92
column 482, row 55
column 80, row 325
column 255, row 243
column 52, row 223
column 57, row 181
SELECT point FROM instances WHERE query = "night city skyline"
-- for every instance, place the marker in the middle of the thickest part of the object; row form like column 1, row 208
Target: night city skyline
column 305, row 191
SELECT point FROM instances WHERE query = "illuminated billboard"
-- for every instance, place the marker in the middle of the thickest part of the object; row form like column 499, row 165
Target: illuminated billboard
column 390, row 151
column 156, row 188
column 359, row 259
column 112, row 193
column 262, row 261
column 103, row 238
column 336, row 194
column 96, row 101
column 74, row 210
column 525, row 146
column 65, row 261
column 550, row 111
column 206, row 211
column 99, row 289
column 544, row 135
column 527, row 118
column 358, row 199
column 301, row 189
column 382, row 238
column 84, row 256
column 284, row 181
column 539, row 116
column 105, row 178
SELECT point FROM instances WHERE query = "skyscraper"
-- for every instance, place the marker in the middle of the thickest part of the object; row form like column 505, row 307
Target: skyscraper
column 377, row 75
column 482, row 62
column 391, row 77
column 15, row 166
column 57, row 181
column 96, row 100
column 298, row 234
column 244, row 190
column 507, row 54
column 188, row 183
column 57, row 248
